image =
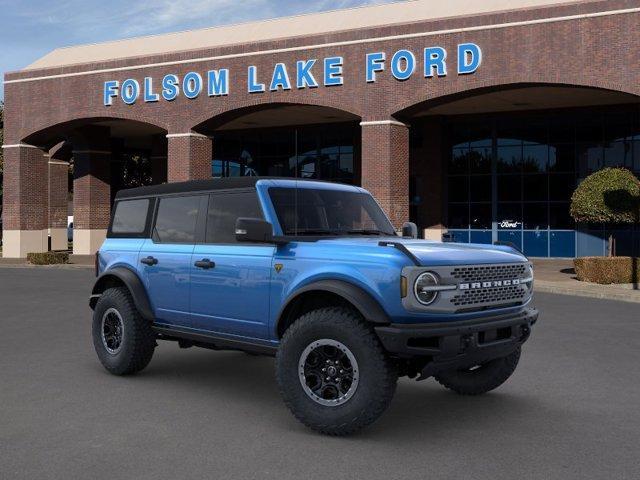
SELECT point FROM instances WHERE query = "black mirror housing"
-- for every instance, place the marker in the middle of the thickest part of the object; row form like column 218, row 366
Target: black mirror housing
column 254, row 230
column 409, row 230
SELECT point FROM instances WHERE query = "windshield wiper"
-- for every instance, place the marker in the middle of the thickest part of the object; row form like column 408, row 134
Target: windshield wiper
column 312, row 231
column 368, row 232
column 324, row 231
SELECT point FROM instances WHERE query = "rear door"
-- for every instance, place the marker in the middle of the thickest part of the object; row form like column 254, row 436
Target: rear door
column 229, row 280
column 165, row 258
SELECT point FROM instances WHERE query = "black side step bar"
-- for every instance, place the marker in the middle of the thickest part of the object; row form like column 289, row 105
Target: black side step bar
column 210, row 340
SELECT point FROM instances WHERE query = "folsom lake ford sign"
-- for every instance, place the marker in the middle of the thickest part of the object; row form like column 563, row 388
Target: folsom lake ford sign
column 310, row 73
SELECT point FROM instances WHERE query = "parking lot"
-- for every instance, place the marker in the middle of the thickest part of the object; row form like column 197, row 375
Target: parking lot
column 570, row 410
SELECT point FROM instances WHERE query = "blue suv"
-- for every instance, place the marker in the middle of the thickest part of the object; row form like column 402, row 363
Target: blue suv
column 314, row 274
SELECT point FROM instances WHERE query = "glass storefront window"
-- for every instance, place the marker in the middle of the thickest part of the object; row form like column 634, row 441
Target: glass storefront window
column 459, row 161
column 536, row 216
column 509, row 216
column 510, row 188
column 562, row 157
column 480, row 216
column 510, row 158
column 324, row 152
column 536, row 187
column 480, row 159
column 529, row 165
column 480, row 188
column 458, row 189
column 535, row 158
column 618, row 154
column 458, row 215
column 559, row 217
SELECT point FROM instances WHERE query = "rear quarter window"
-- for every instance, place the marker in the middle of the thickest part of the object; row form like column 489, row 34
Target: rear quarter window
column 176, row 220
column 130, row 218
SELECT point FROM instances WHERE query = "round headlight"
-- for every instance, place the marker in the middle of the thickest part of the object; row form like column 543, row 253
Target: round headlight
column 423, row 288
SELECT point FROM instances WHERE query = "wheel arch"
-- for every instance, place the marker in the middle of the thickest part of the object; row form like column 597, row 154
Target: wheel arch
column 329, row 293
column 123, row 277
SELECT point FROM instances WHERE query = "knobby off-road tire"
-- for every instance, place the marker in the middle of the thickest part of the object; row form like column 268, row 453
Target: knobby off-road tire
column 482, row 379
column 115, row 311
column 376, row 374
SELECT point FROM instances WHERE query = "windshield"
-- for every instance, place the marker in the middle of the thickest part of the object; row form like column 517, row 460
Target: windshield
column 307, row 211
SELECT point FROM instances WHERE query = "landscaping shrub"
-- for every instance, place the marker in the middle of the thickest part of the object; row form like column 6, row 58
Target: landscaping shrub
column 607, row 270
column 610, row 195
column 48, row 258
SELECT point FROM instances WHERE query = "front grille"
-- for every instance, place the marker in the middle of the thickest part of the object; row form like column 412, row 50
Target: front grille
column 490, row 295
column 482, row 273
column 470, row 288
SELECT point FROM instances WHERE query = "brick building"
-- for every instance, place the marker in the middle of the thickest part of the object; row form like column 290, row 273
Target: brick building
column 472, row 118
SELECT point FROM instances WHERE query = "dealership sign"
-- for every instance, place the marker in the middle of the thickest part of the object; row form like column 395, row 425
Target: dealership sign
column 309, row 73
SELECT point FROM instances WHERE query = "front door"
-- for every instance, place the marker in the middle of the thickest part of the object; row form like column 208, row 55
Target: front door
column 230, row 281
column 165, row 259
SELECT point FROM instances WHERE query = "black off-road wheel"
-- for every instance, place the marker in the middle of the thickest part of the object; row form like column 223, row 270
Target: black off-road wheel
column 480, row 378
column 332, row 372
column 123, row 340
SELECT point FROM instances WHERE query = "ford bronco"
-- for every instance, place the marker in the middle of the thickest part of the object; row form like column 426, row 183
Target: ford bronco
column 314, row 274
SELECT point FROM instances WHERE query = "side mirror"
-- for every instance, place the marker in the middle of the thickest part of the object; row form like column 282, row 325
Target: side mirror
column 409, row 230
column 253, row 230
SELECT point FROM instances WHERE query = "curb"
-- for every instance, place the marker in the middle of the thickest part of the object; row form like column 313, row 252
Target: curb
column 630, row 296
column 61, row 266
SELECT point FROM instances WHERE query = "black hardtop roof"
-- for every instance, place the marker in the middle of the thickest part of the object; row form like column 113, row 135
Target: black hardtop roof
column 229, row 183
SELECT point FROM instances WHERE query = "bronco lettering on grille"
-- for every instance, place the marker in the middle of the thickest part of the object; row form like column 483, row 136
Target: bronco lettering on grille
column 490, row 284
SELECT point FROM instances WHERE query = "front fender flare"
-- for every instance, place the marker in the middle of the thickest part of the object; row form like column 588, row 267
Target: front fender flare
column 369, row 307
column 133, row 284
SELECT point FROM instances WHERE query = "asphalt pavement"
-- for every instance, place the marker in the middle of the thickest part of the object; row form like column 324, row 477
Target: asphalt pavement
column 569, row 411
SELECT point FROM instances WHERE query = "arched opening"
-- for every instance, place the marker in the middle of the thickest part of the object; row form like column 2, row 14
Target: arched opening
column 502, row 163
column 138, row 150
column 286, row 140
column 90, row 160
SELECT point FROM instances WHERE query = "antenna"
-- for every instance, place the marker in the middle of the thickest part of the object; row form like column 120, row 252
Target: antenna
column 295, row 198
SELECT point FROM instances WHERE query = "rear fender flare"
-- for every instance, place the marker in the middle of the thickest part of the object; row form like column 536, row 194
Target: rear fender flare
column 133, row 284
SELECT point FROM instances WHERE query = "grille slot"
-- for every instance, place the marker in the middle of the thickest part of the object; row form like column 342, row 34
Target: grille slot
column 489, row 296
column 482, row 273
column 493, row 295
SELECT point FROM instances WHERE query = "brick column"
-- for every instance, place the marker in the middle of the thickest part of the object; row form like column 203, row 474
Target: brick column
column 189, row 157
column 158, row 159
column 385, row 166
column 91, row 189
column 427, row 166
column 24, row 201
column 58, row 196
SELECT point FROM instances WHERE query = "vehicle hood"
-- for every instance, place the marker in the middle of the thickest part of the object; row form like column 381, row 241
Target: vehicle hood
column 437, row 253
column 430, row 253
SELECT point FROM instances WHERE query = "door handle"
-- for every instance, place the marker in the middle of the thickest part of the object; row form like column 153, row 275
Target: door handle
column 205, row 263
column 149, row 261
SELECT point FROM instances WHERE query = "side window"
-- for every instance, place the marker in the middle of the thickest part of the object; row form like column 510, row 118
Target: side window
column 130, row 217
column 225, row 209
column 176, row 220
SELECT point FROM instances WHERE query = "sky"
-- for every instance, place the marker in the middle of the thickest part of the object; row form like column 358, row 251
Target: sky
column 30, row 29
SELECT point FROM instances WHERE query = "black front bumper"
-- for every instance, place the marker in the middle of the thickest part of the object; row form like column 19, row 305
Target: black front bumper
column 454, row 345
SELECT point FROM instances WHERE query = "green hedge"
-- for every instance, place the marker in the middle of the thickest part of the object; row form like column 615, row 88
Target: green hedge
column 48, row 258
column 610, row 195
column 607, row 270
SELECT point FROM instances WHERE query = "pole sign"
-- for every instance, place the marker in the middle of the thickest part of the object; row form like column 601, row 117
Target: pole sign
column 310, row 73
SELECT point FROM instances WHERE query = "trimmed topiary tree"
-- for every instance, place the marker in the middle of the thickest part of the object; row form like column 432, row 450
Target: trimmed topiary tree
column 611, row 195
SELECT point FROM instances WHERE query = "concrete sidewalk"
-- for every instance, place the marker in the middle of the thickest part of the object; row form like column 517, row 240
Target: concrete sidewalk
column 558, row 276
column 75, row 261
